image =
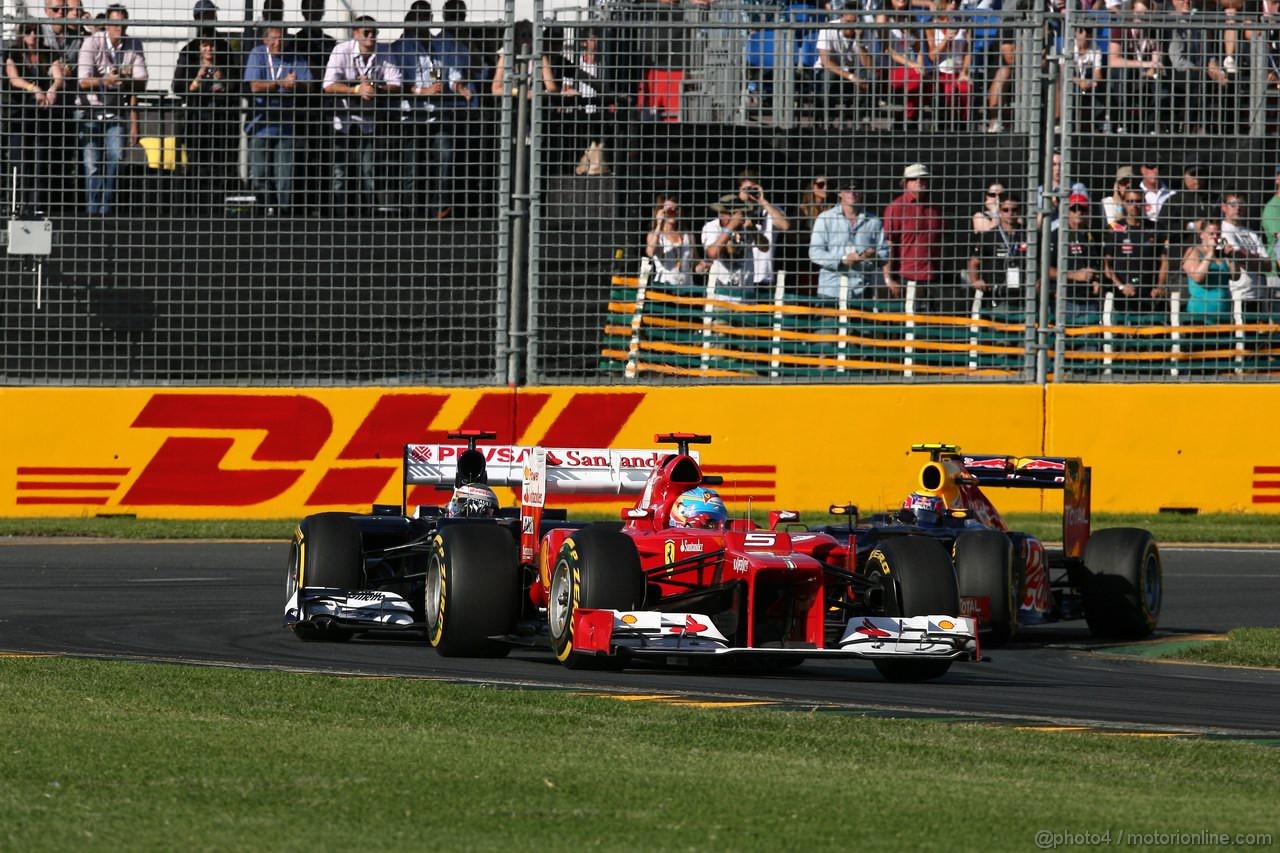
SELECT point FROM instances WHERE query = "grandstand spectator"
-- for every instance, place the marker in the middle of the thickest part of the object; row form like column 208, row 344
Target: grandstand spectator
column 813, row 201
column 769, row 222
column 951, row 57
column 500, row 85
column 35, row 76
column 1135, row 258
column 988, row 216
column 1208, row 273
column 845, row 68
column 1134, row 66
column 314, row 121
column 670, row 246
column 62, row 35
column 452, row 144
column 914, row 231
column 1113, row 205
column 1230, row 35
column 1155, row 191
column 1087, row 81
column 1004, row 58
column 998, row 257
column 1271, row 229
column 727, row 241
column 278, row 81
column 423, row 84
column 208, row 79
column 1249, row 251
column 906, row 49
column 111, row 70
column 586, row 100
column 360, row 72
column 1184, row 209
column 1193, row 69
column 1081, row 265
column 848, row 248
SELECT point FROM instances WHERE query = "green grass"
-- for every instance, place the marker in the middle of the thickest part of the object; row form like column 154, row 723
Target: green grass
column 111, row 755
column 1224, row 528
column 1242, row 647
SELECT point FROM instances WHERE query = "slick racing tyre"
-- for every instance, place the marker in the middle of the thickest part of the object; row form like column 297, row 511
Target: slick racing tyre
column 918, row 580
column 1125, row 585
column 986, row 567
column 472, row 590
column 597, row 568
column 327, row 552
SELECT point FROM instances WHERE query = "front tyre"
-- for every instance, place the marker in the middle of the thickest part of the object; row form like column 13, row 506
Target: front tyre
column 918, row 580
column 472, row 590
column 597, row 568
column 327, row 551
column 985, row 567
column 1123, row 592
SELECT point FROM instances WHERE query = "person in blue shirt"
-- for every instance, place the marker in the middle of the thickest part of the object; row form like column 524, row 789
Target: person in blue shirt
column 452, row 57
column 849, row 248
column 276, row 79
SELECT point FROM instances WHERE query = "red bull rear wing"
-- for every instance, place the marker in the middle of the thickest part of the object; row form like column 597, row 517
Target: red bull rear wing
column 1068, row 473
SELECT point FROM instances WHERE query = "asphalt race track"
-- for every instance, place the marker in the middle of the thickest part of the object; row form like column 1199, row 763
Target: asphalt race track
column 221, row 603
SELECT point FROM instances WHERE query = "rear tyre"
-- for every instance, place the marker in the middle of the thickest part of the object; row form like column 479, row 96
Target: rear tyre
column 597, row 568
column 327, row 552
column 1123, row 592
column 472, row 590
column 918, row 580
column 985, row 567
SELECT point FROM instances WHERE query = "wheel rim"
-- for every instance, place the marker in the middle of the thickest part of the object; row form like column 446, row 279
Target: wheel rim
column 560, row 602
column 431, row 594
column 1151, row 583
column 295, row 569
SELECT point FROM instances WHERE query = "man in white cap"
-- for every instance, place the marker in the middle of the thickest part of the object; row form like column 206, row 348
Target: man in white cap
column 914, row 231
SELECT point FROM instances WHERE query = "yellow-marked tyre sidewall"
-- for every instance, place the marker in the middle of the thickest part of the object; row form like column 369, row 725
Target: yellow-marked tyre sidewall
column 567, row 571
column 437, row 571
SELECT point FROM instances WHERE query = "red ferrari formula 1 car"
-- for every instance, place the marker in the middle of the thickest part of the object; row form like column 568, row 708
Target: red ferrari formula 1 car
column 676, row 579
column 1112, row 578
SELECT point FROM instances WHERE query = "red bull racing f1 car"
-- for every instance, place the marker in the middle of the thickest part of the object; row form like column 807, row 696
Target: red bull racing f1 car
column 1111, row 578
column 675, row 579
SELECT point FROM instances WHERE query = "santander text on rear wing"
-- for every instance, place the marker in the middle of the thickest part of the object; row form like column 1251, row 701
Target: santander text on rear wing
column 569, row 470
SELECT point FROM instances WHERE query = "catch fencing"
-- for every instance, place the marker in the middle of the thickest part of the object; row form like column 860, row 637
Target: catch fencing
column 647, row 193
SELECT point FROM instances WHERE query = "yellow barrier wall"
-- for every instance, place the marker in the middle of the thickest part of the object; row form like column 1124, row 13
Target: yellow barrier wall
column 237, row 453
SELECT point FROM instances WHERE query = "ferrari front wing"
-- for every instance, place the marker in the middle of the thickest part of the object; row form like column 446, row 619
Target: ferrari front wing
column 654, row 634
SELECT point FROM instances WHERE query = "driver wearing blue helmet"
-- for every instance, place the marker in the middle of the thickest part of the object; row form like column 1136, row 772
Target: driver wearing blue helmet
column 923, row 510
column 699, row 508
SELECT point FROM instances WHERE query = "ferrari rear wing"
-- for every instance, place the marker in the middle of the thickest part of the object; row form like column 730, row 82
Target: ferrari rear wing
column 569, row 470
column 1068, row 473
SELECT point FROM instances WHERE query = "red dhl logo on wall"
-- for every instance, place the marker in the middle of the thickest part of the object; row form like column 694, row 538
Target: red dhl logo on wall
column 1266, row 484
column 290, row 434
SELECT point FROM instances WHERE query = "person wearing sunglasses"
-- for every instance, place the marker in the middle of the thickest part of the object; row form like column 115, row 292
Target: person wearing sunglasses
column 1135, row 259
column 1082, row 259
column 988, row 216
column 998, row 259
column 361, row 73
